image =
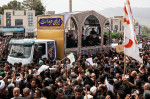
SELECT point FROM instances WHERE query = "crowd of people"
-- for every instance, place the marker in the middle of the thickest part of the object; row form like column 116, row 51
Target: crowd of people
column 79, row 80
column 4, row 44
column 93, row 39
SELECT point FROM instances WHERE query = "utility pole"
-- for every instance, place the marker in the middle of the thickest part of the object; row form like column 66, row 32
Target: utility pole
column 70, row 10
column 70, row 5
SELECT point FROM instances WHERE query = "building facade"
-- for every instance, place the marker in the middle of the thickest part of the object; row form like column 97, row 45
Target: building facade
column 14, row 20
column 116, row 24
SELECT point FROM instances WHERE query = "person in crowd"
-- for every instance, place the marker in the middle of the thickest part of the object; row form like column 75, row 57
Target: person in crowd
column 16, row 93
column 90, row 39
column 104, row 79
column 97, row 39
column 71, row 42
column 26, row 92
column 105, row 39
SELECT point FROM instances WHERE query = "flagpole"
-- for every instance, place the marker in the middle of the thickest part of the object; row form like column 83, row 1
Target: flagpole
column 124, row 65
column 63, row 59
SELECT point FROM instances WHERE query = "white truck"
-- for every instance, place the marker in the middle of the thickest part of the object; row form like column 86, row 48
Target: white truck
column 25, row 50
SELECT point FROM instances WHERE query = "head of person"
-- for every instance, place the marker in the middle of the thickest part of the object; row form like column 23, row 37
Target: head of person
column 62, row 71
column 134, row 74
column 66, row 87
column 29, row 78
column 146, row 86
column 34, row 83
column 6, row 64
column 16, row 92
column 93, row 76
column 80, row 80
column 60, row 85
column 45, row 83
column 15, row 65
column 26, row 92
column 146, row 94
column 45, row 93
column 60, row 93
column 26, row 68
column 37, row 92
column 78, row 93
column 120, row 94
column 93, row 90
column 93, row 34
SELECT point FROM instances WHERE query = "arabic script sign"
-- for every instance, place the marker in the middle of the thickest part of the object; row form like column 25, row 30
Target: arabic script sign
column 55, row 22
column 50, row 22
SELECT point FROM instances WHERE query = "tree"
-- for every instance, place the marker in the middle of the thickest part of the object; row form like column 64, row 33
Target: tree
column 15, row 5
column 2, row 9
column 145, row 29
column 34, row 5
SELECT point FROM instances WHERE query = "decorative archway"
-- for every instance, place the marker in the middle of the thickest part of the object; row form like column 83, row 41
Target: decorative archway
column 80, row 19
column 91, row 32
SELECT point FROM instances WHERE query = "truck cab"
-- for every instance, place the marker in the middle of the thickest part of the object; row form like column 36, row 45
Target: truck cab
column 25, row 50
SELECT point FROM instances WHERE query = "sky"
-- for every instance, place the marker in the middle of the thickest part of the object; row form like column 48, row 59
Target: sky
column 60, row 6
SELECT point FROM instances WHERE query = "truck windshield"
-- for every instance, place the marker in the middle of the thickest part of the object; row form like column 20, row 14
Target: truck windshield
column 20, row 51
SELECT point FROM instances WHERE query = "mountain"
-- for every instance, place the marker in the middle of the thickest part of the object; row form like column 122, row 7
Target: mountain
column 141, row 15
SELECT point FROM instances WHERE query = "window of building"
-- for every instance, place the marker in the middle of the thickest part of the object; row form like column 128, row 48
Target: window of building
column 8, row 18
column 18, row 22
column 30, row 19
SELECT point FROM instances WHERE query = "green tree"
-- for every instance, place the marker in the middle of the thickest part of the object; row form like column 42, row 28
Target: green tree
column 115, row 35
column 34, row 5
column 2, row 9
column 145, row 31
column 15, row 5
